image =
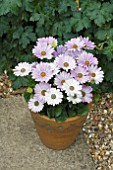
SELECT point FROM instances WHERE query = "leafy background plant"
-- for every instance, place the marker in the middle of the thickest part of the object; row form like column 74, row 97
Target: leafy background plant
column 22, row 22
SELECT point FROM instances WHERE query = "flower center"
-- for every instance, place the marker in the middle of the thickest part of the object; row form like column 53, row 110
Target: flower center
column 80, row 75
column 36, row 103
column 43, row 53
column 43, row 92
column 23, row 70
column 71, row 88
column 87, row 63
column 85, row 45
column 53, row 96
column 83, row 94
column 63, row 81
column 75, row 96
column 93, row 74
column 75, row 46
column 66, row 64
column 43, row 74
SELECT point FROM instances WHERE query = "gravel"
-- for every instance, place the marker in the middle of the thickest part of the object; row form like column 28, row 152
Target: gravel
column 98, row 131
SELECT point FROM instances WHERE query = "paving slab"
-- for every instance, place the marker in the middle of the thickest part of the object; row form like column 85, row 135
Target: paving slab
column 21, row 148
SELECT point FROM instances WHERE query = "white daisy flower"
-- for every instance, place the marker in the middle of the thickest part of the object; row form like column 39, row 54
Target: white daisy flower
column 55, row 68
column 66, row 62
column 40, row 90
column 43, row 50
column 87, row 94
column 42, row 72
column 80, row 74
column 22, row 69
column 35, row 105
column 75, row 44
column 77, row 98
column 72, row 87
column 96, row 74
column 61, row 78
column 53, row 96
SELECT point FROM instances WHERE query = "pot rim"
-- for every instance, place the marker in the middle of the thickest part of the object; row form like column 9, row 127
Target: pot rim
column 69, row 119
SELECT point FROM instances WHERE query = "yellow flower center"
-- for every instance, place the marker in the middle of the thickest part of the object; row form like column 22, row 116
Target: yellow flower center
column 80, row 75
column 75, row 46
column 63, row 81
column 87, row 63
column 43, row 92
column 85, row 45
column 36, row 103
column 83, row 94
column 23, row 70
column 43, row 74
column 93, row 74
column 66, row 64
column 43, row 53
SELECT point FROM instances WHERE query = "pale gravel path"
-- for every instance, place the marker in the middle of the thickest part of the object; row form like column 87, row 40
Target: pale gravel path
column 21, row 149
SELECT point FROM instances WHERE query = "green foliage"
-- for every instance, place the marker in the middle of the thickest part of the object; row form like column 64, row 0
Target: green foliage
column 62, row 111
column 27, row 96
column 24, row 21
column 19, row 82
column 7, row 6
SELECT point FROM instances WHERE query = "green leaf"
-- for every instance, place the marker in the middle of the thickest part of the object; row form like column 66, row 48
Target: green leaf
column 25, row 81
column 27, row 96
column 12, row 76
column 58, row 110
column 60, row 119
column 99, row 20
column 4, row 26
column 96, row 97
column 49, row 113
column 101, row 34
column 86, row 22
column 18, row 32
column 79, row 26
column 28, row 5
column 9, row 6
column 16, row 84
column 35, row 17
column 70, row 105
column 71, row 112
column 108, row 50
column 27, row 36
column 24, row 40
column 27, row 57
column 82, row 110
column 20, row 82
column 109, row 73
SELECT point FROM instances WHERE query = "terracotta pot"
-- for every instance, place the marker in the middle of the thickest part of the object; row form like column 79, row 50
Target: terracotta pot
column 58, row 135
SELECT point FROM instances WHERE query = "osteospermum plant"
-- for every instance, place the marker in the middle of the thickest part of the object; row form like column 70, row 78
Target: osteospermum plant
column 60, row 80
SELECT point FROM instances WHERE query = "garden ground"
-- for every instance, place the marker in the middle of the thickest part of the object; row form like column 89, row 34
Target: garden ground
column 21, row 148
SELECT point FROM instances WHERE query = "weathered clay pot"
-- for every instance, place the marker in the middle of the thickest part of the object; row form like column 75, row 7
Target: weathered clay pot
column 58, row 135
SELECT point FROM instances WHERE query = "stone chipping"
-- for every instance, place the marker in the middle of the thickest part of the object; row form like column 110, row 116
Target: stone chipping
column 98, row 130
